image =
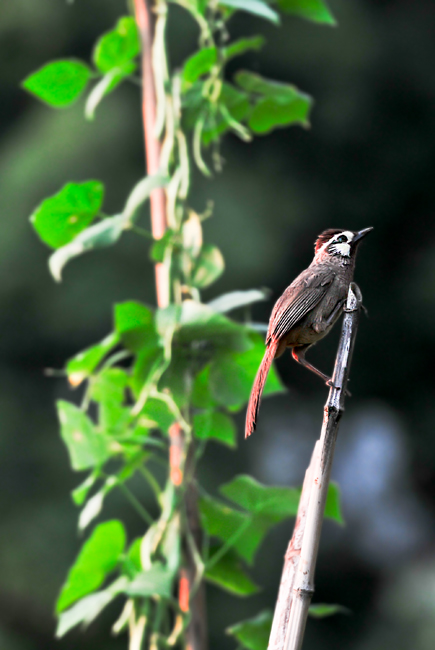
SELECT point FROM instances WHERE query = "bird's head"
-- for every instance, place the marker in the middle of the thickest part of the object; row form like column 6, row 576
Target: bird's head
column 338, row 244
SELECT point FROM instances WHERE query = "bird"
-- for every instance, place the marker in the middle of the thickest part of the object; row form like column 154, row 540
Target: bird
column 308, row 308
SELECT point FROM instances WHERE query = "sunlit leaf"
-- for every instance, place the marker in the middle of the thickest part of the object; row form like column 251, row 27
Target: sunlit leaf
column 209, row 266
column 102, row 234
column 198, row 64
column 88, row 608
column 228, row 573
column 255, row 7
column 81, row 492
column 58, row 83
column 254, row 633
column 117, row 47
column 158, row 414
column 198, row 322
column 236, row 299
column 156, row 581
column 135, row 324
column 315, row 10
column 108, row 389
column 83, row 364
column 98, row 557
column 61, row 217
column 87, row 447
column 147, row 362
column 214, row 425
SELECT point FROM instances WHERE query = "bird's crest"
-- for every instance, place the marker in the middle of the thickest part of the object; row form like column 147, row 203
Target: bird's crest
column 325, row 236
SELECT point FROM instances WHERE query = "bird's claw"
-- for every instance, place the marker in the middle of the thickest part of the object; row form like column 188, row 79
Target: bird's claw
column 331, row 384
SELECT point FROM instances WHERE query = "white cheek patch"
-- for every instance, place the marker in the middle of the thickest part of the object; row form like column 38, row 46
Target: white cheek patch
column 340, row 249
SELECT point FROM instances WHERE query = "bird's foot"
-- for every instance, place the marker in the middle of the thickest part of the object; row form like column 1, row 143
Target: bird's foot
column 331, row 384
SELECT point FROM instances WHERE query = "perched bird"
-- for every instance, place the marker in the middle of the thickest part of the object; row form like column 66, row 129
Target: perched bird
column 308, row 308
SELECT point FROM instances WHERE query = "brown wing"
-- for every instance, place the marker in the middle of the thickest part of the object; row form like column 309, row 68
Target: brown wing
column 298, row 300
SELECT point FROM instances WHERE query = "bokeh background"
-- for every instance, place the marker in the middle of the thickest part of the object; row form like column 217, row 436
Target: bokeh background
column 369, row 160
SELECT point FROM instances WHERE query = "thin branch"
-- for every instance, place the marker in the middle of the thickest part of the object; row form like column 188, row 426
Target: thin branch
column 297, row 583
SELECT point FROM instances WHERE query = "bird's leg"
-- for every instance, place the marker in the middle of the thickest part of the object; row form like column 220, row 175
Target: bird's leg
column 298, row 355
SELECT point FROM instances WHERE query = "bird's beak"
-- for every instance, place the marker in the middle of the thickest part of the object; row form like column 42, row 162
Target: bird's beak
column 359, row 235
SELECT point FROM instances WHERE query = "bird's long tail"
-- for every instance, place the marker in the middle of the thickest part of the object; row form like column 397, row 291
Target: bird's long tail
column 257, row 389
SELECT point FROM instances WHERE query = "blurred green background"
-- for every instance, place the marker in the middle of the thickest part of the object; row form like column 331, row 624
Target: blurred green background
column 368, row 160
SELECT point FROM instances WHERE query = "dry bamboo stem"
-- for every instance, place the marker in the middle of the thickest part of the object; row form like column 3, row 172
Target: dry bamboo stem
column 297, row 583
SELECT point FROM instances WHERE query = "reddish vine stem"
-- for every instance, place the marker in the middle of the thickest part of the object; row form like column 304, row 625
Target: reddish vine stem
column 145, row 21
column 197, row 629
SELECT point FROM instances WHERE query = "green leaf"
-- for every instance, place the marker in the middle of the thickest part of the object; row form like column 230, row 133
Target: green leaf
column 235, row 103
column 58, row 83
column 61, row 217
column 81, row 492
column 176, row 378
column 255, row 7
column 87, row 448
column 254, row 633
column 201, row 395
column 88, row 608
column 157, row 581
column 160, row 246
column 213, row 425
column 277, row 503
column 83, row 364
column 229, row 574
column 314, row 10
column 322, row 610
column 243, row 531
column 270, row 113
column 147, row 362
column 98, row 557
column 279, row 104
column 117, row 47
column 102, row 234
column 134, row 322
column 157, row 414
column 333, row 505
column 108, row 389
column 232, row 375
column 200, row 323
column 243, row 45
column 209, row 266
column 236, row 299
column 199, row 64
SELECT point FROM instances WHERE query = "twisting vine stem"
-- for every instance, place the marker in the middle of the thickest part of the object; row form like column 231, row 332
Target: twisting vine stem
column 160, row 111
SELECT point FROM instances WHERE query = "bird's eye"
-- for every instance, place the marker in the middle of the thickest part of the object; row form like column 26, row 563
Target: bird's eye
column 342, row 239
